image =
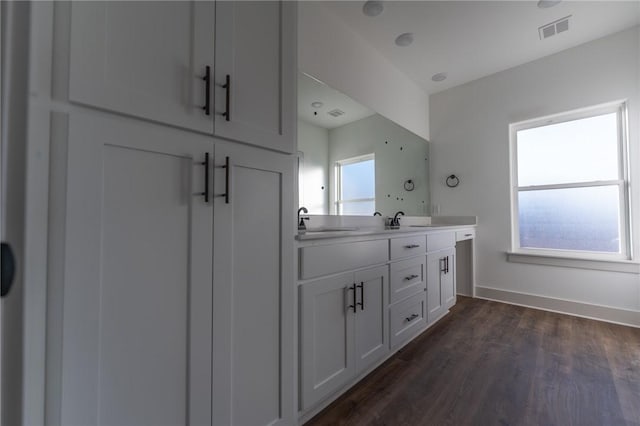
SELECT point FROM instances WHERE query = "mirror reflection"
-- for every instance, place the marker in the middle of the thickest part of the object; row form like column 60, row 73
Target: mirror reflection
column 353, row 161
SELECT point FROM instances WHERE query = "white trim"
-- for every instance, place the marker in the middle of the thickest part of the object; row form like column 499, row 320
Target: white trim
column 569, row 307
column 567, row 261
column 624, row 196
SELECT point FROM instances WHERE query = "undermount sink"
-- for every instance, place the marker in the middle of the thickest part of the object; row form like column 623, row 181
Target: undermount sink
column 332, row 229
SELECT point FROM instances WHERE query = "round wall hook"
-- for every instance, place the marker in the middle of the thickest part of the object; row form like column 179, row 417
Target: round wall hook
column 452, row 181
column 409, row 185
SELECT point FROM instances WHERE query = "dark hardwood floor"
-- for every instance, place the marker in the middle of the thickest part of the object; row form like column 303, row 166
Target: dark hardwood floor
column 490, row 363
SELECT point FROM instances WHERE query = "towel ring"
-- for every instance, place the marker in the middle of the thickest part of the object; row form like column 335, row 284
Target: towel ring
column 452, row 181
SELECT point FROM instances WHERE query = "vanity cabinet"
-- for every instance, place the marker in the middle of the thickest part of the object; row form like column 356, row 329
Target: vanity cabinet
column 440, row 283
column 223, row 68
column 343, row 330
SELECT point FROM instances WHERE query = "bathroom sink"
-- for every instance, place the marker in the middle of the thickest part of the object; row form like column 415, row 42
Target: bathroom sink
column 332, row 229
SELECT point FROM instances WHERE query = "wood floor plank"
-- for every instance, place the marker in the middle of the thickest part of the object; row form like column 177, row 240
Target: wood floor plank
column 489, row 363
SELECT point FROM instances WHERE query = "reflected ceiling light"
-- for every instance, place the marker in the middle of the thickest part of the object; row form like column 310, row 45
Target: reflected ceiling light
column 441, row 76
column 544, row 4
column 404, row 40
column 317, row 104
column 372, row 8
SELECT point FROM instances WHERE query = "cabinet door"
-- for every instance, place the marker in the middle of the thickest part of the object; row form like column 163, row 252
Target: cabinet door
column 144, row 58
column 255, row 48
column 372, row 317
column 448, row 279
column 326, row 337
column 137, row 305
column 253, row 287
column 435, row 297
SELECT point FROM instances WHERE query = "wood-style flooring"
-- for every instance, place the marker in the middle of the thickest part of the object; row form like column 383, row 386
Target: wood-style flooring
column 489, row 363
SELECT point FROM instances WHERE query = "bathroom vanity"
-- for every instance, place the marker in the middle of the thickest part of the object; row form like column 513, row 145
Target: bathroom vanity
column 365, row 292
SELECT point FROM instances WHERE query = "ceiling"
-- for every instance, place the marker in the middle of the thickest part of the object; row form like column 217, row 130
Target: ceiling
column 472, row 39
column 311, row 90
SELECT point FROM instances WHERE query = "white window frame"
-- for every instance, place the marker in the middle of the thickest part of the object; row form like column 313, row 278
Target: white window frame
column 620, row 108
column 338, row 202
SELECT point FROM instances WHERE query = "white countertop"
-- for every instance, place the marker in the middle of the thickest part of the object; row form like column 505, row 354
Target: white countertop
column 360, row 231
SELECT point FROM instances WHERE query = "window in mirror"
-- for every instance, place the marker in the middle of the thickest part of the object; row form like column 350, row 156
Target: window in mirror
column 356, row 191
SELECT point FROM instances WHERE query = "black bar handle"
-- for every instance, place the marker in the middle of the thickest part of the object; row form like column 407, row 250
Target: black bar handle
column 361, row 302
column 7, row 267
column 353, row 306
column 446, row 263
column 226, row 183
column 227, row 85
column 205, row 163
column 207, row 90
column 412, row 317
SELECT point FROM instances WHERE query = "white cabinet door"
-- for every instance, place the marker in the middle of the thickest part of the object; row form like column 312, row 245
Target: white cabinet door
column 448, row 279
column 137, row 305
column 254, row 227
column 435, row 298
column 144, row 58
column 372, row 316
column 327, row 329
column 255, row 54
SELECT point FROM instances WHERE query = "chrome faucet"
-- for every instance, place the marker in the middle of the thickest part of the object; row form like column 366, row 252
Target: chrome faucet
column 394, row 223
column 301, row 219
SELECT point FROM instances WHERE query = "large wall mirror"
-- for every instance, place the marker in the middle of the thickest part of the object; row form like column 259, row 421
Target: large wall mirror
column 353, row 161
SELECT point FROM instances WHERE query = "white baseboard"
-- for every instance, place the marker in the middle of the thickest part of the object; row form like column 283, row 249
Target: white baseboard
column 578, row 309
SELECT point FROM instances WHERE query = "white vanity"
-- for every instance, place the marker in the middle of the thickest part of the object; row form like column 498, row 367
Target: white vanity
column 364, row 294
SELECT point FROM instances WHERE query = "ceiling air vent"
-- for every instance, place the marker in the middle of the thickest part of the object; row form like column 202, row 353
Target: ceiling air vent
column 336, row 112
column 555, row 27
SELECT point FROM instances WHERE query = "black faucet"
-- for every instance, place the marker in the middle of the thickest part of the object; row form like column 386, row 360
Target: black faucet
column 301, row 219
column 395, row 222
column 377, row 214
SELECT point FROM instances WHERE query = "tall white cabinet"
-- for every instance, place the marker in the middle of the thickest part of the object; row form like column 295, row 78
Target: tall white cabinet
column 174, row 301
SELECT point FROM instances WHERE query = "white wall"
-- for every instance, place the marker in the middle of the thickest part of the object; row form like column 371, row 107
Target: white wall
column 333, row 53
column 313, row 185
column 470, row 137
column 399, row 155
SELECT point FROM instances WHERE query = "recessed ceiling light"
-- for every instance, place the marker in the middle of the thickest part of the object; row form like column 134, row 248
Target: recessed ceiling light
column 372, row 8
column 317, row 104
column 544, row 4
column 441, row 76
column 404, row 40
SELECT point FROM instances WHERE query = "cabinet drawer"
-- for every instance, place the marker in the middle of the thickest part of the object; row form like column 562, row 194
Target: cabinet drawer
column 465, row 234
column 316, row 261
column 407, row 317
column 407, row 246
column 407, row 278
column 440, row 241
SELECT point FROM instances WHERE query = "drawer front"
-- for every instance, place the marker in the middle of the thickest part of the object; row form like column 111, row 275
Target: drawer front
column 407, row 246
column 465, row 234
column 317, row 261
column 441, row 240
column 407, row 318
column 407, row 278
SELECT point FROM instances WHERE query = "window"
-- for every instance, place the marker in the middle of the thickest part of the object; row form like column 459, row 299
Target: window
column 570, row 188
column 356, row 186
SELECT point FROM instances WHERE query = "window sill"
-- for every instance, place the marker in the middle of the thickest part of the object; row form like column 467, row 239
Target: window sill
column 626, row 266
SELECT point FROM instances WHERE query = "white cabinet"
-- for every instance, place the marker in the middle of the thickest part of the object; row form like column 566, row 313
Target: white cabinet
column 440, row 283
column 190, row 64
column 144, row 59
column 343, row 330
column 176, row 307
column 253, row 292
column 255, row 68
column 137, row 309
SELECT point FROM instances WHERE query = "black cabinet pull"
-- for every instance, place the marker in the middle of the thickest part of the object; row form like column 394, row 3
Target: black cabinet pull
column 7, row 267
column 205, row 163
column 446, row 265
column 361, row 302
column 227, row 86
column 412, row 317
column 227, row 169
column 410, row 277
column 410, row 246
column 207, row 90
column 353, row 306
